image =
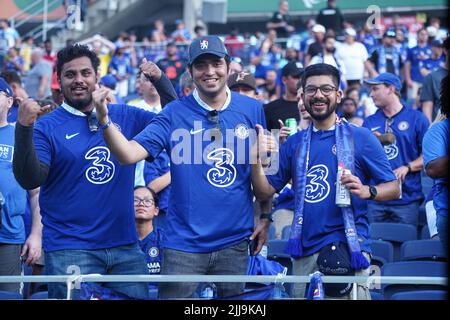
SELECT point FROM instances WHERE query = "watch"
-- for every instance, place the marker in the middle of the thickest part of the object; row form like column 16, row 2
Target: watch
column 266, row 216
column 106, row 125
column 373, row 192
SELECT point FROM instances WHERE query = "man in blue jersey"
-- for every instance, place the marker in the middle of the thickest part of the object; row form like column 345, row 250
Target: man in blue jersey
column 86, row 197
column 208, row 136
column 13, row 241
column 406, row 127
column 435, row 155
column 324, row 234
column 146, row 208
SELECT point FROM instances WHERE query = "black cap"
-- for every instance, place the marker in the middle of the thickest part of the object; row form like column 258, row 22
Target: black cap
column 293, row 69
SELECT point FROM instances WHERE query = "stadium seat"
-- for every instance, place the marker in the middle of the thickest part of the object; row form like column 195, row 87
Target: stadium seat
column 374, row 295
column 382, row 252
column 7, row 295
column 424, row 232
column 41, row 295
column 286, row 232
column 413, row 269
column 396, row 233
column 153, row 294
column 271, row 232
column 421, row 295
column 422, row 250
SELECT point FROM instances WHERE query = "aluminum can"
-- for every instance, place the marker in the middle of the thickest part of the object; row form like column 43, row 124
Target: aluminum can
column 292, row 124
column 343, row 198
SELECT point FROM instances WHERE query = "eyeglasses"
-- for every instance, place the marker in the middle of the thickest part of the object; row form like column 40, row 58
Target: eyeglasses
column 325, row 89
column 388, row 124
column 146, row 202
column 213, row 116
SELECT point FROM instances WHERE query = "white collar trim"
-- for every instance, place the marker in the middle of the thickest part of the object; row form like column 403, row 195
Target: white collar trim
column 72, row 110
column 205, row 106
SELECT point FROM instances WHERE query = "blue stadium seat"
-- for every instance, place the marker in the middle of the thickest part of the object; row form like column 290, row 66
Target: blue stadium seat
column 153, row 294
column 7, row 295
column 286, row 232
column 374, row 295
column 396, row 233
column 421, row 295
column 424, row 232
column 414, row 269
column 271, row 232
column 382, row 252
column 422, row 250
column 41, row 295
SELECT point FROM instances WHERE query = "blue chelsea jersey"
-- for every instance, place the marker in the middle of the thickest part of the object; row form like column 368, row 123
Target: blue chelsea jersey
column 210, row 204
column 152, row 248
column 415, row 56
column 409, row 127
column 323, row 222
column 87, row 199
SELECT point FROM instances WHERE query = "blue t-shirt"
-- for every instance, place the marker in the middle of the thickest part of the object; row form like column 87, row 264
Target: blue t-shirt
column 433, row 64
column 436, row 145
column 415, row 56
column 12, row 229
column 151, row 246
column 409, row 127
column 210, row 204
column 155, row 169
column 87, row 199
column 322, row 219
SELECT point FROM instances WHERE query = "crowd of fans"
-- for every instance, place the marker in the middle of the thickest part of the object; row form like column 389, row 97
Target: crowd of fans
column 266, row 66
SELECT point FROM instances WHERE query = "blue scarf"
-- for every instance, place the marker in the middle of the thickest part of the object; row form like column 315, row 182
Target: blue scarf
column 382, row 64
column 345, row 156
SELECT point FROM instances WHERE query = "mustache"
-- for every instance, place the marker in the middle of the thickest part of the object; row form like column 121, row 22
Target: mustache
column 318, row 100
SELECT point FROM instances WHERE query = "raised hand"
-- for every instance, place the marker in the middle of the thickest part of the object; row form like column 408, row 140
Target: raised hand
column 101, row 96
column 30, row 110
column 150, row 70
column 284, row 131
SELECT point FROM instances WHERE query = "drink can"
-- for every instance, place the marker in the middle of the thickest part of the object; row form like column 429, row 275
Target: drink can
column 343, row 198
column 291, row 123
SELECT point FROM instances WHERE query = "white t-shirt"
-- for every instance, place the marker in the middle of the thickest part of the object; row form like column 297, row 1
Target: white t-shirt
column 353, row 57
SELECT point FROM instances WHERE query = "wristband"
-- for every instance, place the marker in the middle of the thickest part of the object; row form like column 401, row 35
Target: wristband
column 409, row 167
column 267, row 216
column 106, row 125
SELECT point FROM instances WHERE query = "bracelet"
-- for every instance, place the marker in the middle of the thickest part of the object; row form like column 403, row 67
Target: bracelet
column 106, row 125
column 267, row 216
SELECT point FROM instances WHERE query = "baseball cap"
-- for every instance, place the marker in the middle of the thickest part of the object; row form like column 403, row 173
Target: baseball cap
column 109, row 81
column 334, row 260
column 386, row 78
column 242, row 79
column 4, row 86
column 292, row 68
column 350, row 32
column 318, row 28
column 390, row 33
column 207, row 44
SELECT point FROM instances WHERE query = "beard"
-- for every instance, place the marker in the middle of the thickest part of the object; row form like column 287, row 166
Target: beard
column 79, row 104
column 330, row 108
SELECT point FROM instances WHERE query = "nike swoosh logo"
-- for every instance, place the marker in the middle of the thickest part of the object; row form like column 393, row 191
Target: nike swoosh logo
column 196, row 131
column 68, row 137
column 375, row 128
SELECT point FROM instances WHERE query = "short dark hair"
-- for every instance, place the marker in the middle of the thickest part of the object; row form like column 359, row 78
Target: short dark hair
column 153, row 192
column 321, row 69
column 11, row 77
column 75, row 51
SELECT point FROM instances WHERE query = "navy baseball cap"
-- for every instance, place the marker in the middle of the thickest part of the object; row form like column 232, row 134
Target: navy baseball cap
column 4, row 86
column 386, row 78
column 207, row 44
column 109, row 81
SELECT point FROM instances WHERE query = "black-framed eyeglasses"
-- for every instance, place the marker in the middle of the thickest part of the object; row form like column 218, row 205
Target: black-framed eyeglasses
column 325, row 89
column 388, row 124
column 213, row 116
column 145, row 202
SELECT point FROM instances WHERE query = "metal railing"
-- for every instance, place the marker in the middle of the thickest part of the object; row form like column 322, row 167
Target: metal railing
column 72, row 280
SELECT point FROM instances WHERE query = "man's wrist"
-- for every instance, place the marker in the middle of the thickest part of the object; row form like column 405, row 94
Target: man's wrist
column 267, row 216
column 408, row 165
column 105, row 123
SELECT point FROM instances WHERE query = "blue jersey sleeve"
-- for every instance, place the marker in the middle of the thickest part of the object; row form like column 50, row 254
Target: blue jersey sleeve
column 435, row 143
column 284, row 173
column 375, row 161
column 155, row 137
